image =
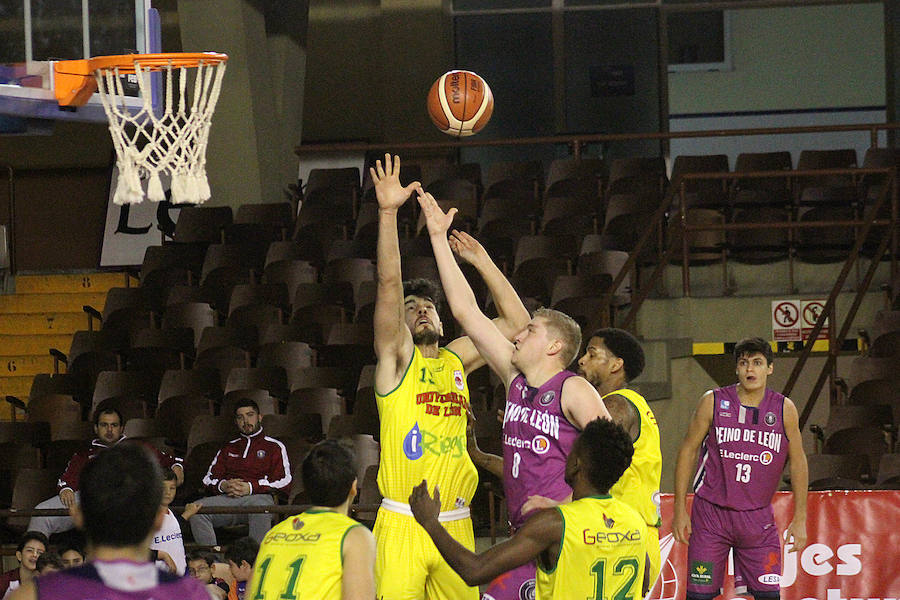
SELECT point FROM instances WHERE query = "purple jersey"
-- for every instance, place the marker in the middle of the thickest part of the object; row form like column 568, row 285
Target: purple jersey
column 744, row 452
column 537, row 438
column 118, row 580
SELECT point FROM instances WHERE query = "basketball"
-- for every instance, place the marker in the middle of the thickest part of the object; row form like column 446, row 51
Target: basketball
column 460, row 103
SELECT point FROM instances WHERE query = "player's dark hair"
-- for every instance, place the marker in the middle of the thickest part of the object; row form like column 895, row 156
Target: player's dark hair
column 754, row 345
column 49, row 558
column 608, row 449
column 625, row 346
column 108, row 410
column 424, row 288
column 328, row 473
column 243, row 402
column 121, row 490
column 29, row 536
column 242, row 549
column 204, row 556
column 70, row 545
column 169, row 475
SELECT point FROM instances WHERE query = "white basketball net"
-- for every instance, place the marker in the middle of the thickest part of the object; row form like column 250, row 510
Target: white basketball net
column 174, row 141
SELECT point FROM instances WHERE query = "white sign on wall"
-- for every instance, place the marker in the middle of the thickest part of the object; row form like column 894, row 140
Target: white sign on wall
column 786, row 320
column 809, row 314
column 132, row 228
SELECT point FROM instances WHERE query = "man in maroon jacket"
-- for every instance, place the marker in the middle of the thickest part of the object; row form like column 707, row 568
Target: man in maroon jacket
column 247, row 471
column 108, row 424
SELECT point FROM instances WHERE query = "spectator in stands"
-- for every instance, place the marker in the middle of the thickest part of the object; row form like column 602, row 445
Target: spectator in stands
column 241, row 556
column 247, row 471
column 119, row 510
column 72, row 553
column 49, row 562
column 167, row 540
column 199, row 566
column 108, row 425
column 31, row 546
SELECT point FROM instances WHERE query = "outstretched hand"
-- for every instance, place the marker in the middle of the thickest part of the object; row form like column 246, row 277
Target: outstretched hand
column 388, row 190
column 437, row 221
column 424, row 507
column 467, row 247
column 537, row 502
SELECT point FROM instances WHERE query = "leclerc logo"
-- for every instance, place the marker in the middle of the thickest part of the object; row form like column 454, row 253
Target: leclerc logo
column 412, row 443
column 540, row 444
column 765, row 458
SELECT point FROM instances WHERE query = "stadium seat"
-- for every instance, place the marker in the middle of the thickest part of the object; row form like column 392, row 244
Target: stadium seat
column 31, row 487
column 870, row 442
column 196, row 316
column 640, row 175
column 323, row 401
column 202, row 224
column 570, row 216
column 581, row 178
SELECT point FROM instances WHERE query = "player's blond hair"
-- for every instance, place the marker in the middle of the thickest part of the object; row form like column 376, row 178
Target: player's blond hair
column 566, row 329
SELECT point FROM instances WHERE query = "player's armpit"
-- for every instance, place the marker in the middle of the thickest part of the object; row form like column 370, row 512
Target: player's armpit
column 358, row 579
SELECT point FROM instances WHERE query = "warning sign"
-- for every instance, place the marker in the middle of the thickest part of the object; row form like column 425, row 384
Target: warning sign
column 810, row 310
column 786, row 320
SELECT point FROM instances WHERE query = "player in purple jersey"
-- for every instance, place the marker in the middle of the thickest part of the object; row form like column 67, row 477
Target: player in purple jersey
column 546, row 405
column 747, row 432
column 120, row 508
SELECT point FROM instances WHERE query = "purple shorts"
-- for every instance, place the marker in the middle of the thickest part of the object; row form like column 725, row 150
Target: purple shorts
column 517, row 584
column 757, row 550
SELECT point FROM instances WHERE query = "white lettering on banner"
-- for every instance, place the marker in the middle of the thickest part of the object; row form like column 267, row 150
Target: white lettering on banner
column 815, row 559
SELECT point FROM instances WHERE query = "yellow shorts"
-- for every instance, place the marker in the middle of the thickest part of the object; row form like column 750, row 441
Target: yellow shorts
column 408, row 561
column 653, row 553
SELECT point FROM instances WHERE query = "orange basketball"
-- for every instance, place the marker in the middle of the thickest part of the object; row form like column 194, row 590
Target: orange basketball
column 460, row 103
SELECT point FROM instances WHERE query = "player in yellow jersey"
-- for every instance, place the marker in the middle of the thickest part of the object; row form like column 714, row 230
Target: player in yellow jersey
column 320, row 554
column 612, row 358
column 422, row 398
column 594, row 547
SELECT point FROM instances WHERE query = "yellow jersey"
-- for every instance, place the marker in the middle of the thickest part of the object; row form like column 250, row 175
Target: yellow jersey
column 423, row 432
column 302, row 557
column 639, row 484
column 602, row 553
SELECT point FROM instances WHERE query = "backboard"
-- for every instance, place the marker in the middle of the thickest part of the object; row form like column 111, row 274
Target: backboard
column 38, row 32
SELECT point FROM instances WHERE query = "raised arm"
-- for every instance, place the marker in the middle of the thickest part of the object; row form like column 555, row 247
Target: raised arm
column 393, row 341
column 358, row 578
column 490, row 342
column 684, row 466
column 512, row 314
column 581, row 403
column 542, row 532
column 799, row 476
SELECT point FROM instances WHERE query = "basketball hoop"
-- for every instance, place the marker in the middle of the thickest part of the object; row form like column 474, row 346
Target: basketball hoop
column 169, row 139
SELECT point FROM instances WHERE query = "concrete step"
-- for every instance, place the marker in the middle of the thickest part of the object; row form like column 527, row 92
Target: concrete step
column 27, row 365
column 42, row 323
column 655, row 383
column 51, row 303
column 15, row 386
column 34, row 345
column 72, row 283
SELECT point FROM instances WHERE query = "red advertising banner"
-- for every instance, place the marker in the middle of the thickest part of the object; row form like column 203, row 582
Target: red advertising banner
column 853, row 549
